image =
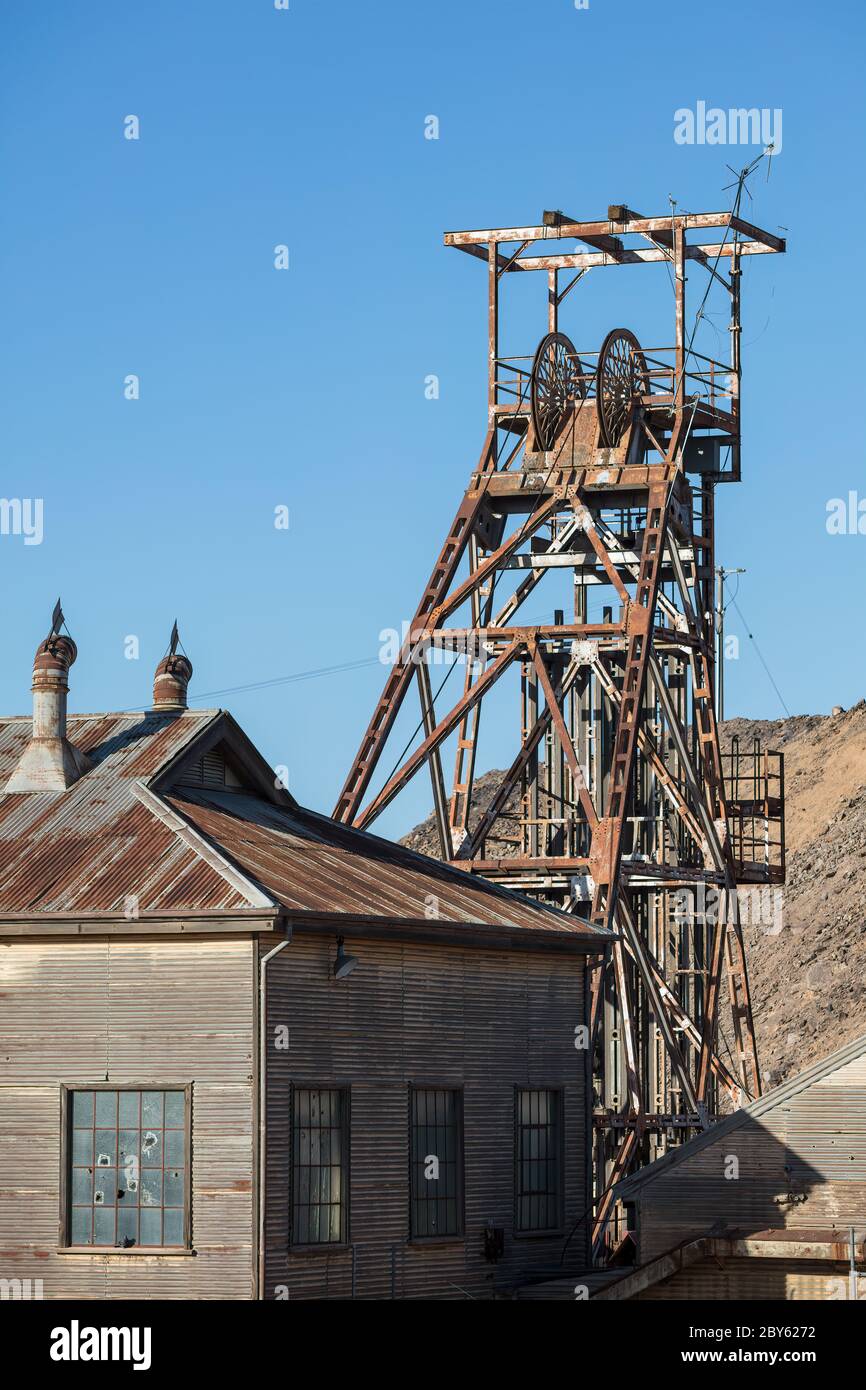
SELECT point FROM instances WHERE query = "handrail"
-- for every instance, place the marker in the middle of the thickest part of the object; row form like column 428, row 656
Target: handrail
column 710, row 381
column 584, row 354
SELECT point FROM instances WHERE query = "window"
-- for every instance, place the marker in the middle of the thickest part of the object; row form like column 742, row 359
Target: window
column 436, row 1163
column 320, row 1167
column 128, row 1168
column 538, row 1160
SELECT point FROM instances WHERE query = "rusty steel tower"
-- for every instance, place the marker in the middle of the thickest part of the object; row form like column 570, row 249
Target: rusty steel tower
column 599, row 469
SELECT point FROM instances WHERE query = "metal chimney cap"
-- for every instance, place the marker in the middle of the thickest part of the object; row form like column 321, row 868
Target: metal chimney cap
column 171, row 678
column 55, row 653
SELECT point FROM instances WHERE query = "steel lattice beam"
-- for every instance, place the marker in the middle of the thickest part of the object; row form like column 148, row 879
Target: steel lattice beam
column 615, row 794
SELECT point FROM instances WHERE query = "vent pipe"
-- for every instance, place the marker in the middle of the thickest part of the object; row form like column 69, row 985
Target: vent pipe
column 49, row 761
column 171, row 679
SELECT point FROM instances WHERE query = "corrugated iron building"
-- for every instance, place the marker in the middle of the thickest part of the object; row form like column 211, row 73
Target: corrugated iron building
column 768, row 1204
column 417, row 1127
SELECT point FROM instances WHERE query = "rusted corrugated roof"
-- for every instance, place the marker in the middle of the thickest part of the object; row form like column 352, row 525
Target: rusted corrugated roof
column 93, row 846
column 90, row 848
column 314, row 864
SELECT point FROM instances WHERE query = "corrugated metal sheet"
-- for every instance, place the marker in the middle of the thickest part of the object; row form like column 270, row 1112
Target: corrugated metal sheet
column 826, row 1133
column 89, row 848
column 137, row 1013
column 313, row 864
column 800, row 1164
column 445, row 1016
column 753, row 1280
column 852, row 1073
column 844, row 1068
column 119, row 745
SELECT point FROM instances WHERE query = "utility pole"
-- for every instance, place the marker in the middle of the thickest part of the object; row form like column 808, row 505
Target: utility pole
column 721, row 576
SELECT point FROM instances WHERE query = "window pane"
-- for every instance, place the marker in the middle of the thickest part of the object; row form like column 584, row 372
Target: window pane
column 173, row 1187
column 151, row 1226
column 118, row 1186
column 129, row 1141
column 319, row 1169
column 435, row 1146
column 175, row 1140
column 129, row 1109
column 172, row 1226
column 82, row 1109
column 103, row 1225
column 82, row 1186
column 538, row 1176
column 175, row 1109
column 151, row 1148
column 151, row 1109
column 82, row 1146
column 127, row 1226
column 151, row 1187
column 127, row 1186
column 106, row 1147
column 106, row 1109
column 104, row 1187
column 81, row 1226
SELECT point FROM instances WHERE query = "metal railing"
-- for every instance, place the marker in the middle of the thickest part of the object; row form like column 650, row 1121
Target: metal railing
column 754, row 781
column 710, row 381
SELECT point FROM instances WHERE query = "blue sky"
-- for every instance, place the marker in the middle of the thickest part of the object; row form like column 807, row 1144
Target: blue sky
column 305, row 388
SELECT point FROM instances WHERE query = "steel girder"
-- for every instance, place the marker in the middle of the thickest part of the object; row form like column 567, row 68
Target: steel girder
column 614, row 797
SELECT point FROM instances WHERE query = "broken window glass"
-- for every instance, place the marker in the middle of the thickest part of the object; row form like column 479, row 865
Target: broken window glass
column 127, row 1178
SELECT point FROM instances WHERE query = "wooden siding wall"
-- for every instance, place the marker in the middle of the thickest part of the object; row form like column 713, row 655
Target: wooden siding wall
column 819, row 1134
column 128, row 1011
column 449, row 1016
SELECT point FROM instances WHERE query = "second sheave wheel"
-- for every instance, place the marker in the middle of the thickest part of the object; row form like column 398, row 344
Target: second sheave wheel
column 621, row 376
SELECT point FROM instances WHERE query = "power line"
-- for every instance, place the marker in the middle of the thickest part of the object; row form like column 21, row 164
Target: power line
column 760, row 656
column 741, row 186
column 288, row 680
column 272, row 682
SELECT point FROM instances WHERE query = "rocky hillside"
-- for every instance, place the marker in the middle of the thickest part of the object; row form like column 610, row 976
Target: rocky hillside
column 425, row 837
column 809, row 979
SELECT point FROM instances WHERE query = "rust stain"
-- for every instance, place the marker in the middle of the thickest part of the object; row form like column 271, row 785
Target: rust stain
column 310, row 863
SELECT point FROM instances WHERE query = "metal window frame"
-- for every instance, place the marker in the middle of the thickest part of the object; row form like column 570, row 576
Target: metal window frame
column 67, row 1089
column 559, row 1226
column 448, row 1236
column 345, row 1241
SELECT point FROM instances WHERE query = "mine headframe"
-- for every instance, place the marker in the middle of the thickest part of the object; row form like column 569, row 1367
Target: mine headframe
column 598, row 473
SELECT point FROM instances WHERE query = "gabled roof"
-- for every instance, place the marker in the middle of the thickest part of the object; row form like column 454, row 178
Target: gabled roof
column 136, row 826
column 314, row 865
column 818, row 1071
column 91, row 848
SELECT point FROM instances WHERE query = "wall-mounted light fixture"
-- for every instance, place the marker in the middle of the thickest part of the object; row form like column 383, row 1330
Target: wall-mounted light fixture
column 343, row 965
